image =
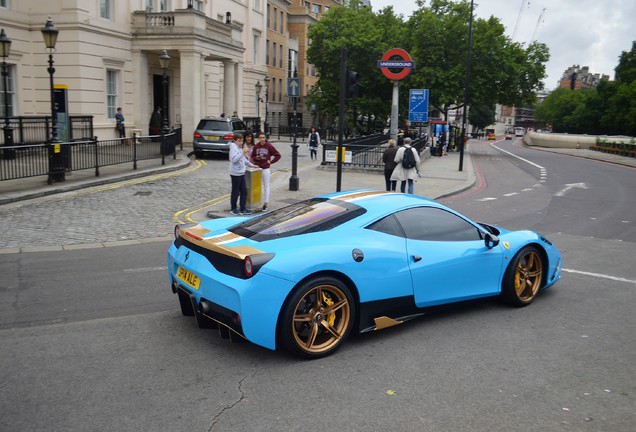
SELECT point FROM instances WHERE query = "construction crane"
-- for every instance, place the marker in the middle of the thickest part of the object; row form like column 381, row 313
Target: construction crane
column 519, row 15
column 539, row 21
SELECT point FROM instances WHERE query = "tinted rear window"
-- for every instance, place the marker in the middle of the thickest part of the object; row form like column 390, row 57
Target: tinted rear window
column 308, row 216
column 214, row 125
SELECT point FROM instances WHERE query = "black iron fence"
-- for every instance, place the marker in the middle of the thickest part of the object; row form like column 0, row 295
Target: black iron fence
column 37, row 129
column 363, row 152
column 32, row 160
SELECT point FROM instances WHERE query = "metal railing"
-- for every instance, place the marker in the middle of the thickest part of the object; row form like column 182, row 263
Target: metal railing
column 35, row 159
column 366, row 151
column 37, row 129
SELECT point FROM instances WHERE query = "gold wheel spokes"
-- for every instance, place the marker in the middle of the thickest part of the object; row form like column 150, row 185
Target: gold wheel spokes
column 321, row 318
column 529, row 275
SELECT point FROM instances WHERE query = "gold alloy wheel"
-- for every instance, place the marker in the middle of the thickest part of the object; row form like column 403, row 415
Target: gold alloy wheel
column 528, row 276
column 321, row 319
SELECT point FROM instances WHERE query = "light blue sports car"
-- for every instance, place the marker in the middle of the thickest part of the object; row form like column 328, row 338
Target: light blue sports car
column 306, row 275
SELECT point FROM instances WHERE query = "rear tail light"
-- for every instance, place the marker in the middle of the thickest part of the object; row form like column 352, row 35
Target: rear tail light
column 228, row 137
column 248, row 267
column 197, row 135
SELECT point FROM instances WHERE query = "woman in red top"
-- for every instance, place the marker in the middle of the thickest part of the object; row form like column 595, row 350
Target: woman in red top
column 264, row 154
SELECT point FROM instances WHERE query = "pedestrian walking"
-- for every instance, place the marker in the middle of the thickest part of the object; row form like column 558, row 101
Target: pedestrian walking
column 388, row 157
column 410, row 172
column 238, row 162
column 119, row 123
column 314, row 142
column 264, row 155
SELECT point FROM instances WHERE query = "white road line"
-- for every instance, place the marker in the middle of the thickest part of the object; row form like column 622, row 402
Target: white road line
column 511, row 194
column 598, row 275
column 518, row 157
column 487, row 199
column 145, row 269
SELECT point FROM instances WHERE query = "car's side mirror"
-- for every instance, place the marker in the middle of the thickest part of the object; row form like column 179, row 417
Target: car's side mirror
column 491, row 240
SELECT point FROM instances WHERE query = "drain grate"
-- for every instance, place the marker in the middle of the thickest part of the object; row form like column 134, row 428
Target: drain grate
column 142, row 193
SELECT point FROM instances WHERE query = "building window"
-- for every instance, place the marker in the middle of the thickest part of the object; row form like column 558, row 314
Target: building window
column 275, row 24
column 268, row 14
column 257, row 48
column 256, row 5
column 10, row 92
column 267, row 52
column 280, row 89
column 198, row 5
column 282, row 22
column 149, row 6
column 274, row 54
column 4, row 3
column 280, row 57
column 163, row 5
column 315, row 8
column 111, row 92
column 274, row 90
column 106, row 9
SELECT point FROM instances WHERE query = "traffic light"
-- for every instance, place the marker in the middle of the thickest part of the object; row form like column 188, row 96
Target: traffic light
column 352, row 86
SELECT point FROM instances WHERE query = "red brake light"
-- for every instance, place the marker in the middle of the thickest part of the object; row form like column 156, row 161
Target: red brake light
column 247, row 266
column 197, row 135
column 228, row 137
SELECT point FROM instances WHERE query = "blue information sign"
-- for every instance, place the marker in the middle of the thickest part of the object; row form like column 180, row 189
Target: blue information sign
column 293, row 87
column 418, row 105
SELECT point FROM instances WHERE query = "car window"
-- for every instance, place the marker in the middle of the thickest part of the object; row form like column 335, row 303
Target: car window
column 433, row 224
column 308, row 216
column 388, row 225
column 214, row 125
column 238, row 125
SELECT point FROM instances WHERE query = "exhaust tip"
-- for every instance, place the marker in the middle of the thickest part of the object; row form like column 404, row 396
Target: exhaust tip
column 205, row 307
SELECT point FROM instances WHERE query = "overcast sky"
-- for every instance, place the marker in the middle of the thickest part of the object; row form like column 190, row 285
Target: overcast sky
column 578, row 32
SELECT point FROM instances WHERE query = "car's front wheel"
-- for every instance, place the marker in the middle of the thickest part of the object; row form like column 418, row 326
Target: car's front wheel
column 317, row 318
column 523, row 277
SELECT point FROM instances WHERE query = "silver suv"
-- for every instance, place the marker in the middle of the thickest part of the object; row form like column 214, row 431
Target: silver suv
column 214, row 134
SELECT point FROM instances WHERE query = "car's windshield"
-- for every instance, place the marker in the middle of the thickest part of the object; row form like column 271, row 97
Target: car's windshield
column 215, row 125
column 308, row 216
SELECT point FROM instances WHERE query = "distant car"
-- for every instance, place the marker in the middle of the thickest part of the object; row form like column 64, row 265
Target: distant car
column 508, row 136
column 305, row 276
column 491, row 136
column 214, row 134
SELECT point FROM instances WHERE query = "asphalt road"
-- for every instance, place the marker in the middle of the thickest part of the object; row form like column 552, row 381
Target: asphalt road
column 93, row 340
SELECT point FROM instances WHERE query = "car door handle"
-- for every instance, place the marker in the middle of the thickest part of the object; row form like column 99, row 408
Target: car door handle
column 417, row 258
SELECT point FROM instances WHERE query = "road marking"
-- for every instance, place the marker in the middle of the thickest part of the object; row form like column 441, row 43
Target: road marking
column 570, row 186
column 511, row 194
column 520, row 158
column 188, row 212
column 599, row 275
column 487, row 199
column 145, row 269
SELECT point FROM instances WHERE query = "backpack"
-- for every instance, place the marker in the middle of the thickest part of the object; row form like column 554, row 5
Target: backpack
column 408, row 159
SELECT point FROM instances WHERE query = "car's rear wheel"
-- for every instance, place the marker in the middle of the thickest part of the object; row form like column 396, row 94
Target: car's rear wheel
column 317, row 318
column 523, row 278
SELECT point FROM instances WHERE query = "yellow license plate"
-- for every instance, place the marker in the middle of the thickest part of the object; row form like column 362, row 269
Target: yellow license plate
column 211, row 137
column 189, row 278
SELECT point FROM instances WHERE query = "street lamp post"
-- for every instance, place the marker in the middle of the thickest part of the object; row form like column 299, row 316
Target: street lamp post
column 164, row 62
column 5, row 49
column 266, row 81
column 56, row 160
column 294, row 180
column 258, row 87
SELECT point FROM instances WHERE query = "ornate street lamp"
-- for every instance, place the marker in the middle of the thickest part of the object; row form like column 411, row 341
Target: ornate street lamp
column 258, row 87
column 56, row 165
column 294, row 180
column 190, row 5
column 266, row 81
column 5, row 49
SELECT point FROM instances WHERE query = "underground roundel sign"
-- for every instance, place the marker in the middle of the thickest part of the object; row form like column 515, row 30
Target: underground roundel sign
column 398, row 60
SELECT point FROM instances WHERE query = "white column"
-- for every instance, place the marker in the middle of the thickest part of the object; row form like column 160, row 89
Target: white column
column 229, row 87
column 191, row 74
column 239, row 90
column 142, row 100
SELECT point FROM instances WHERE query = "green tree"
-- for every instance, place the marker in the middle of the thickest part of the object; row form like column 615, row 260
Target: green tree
column 481, row 115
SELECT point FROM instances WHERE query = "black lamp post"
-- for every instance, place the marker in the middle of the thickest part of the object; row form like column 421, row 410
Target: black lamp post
column 190, row 4
column 164, row 62
column 56, row 161
column 258, row 87
column 5, row 49
column 294, row 180
column 266, row 81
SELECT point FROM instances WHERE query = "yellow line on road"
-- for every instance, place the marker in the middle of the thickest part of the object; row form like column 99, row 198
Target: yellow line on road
column 188, row 212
